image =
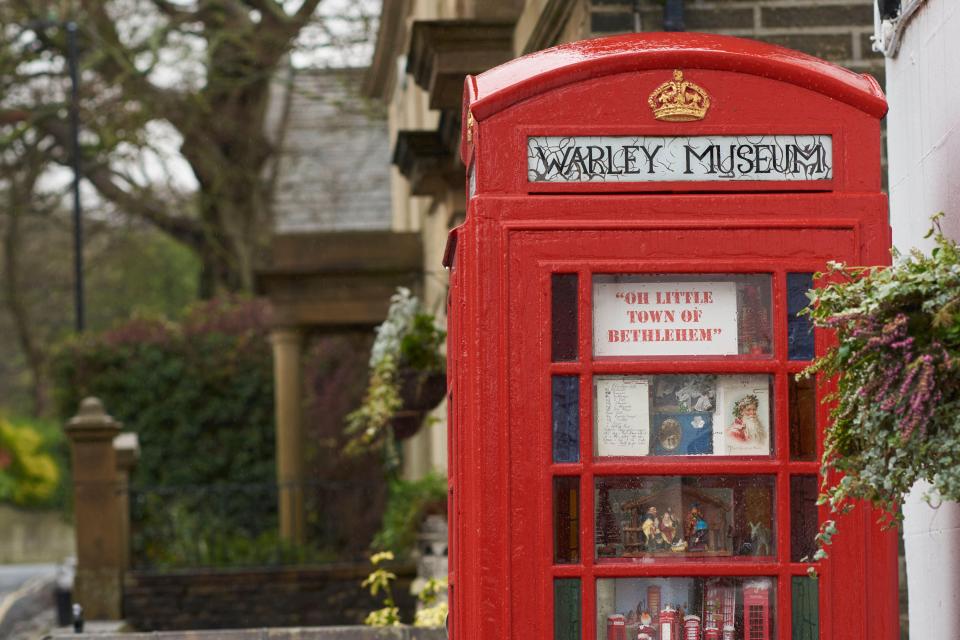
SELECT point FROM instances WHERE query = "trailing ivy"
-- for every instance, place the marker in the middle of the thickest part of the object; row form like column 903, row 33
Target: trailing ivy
column 896, row 414
column 408, row 340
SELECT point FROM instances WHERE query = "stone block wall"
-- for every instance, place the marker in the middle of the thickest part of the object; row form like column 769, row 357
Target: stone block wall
column 34, row 536
column 236, row 599
column 836, row 30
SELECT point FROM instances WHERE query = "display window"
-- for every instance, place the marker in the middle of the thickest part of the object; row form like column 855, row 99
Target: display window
column 684, row 446
column 664, row 518
column 681, row 608
column 680, row 415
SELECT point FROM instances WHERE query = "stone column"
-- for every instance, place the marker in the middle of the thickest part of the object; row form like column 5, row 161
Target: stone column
column 416, row 455
column 287, row 388
column 126, row 449
column 97, row 512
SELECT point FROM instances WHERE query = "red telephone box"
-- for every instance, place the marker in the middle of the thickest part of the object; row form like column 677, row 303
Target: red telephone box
column 628, row 434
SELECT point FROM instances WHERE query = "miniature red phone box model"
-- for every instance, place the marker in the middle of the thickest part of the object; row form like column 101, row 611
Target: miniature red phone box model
column 630, row 443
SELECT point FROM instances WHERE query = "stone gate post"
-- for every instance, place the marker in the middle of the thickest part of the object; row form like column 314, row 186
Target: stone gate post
column 98, row 512
column 126, row 448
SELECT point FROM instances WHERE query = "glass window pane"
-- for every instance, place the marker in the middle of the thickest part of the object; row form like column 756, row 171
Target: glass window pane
column 678, row 415
column 806, row 609
column 670, row 518
column 563, row 311
column 710, row 608
column 566, row 418
column 803, row 418
column 566, row 519
column 681, row 315
column 566, row 609
column 803, row 517
column 799, row 328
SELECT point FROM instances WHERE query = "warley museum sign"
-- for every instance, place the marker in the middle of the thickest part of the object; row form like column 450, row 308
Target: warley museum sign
column 679, row 158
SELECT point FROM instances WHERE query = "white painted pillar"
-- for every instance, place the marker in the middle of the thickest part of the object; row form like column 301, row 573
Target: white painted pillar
column 931, row 535
column 923, row 150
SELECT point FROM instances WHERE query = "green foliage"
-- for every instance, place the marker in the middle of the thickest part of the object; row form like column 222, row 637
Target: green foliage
column 139, row 271
column 29, row 474
column 368, row 425
column 896, row 418
column 420, row 347
column 199, row 393
column 407, row 503
column 178, row 534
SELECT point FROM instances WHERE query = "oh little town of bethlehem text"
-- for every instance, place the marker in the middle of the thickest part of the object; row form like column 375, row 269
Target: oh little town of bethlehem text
column 679, row 158
column 655, row 319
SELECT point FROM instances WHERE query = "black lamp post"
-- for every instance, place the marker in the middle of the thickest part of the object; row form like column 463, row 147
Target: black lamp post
column 75, row 157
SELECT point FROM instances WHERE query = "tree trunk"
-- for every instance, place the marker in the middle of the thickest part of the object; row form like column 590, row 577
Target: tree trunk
column 233, row 198
column 233, row 232
column 18, row 199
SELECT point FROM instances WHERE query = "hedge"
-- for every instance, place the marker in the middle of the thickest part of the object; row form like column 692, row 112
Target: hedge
column 199, row 393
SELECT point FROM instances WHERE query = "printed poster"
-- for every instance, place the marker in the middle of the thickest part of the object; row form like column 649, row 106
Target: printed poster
column 742, row 421
column 664, row 318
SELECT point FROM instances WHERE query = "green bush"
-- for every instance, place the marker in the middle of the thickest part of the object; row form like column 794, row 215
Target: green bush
column 199, row 392
column 178, row 534
column 407, row 504
column 30, row 475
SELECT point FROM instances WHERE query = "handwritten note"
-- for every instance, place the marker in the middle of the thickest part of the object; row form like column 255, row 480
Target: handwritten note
column 623, row 416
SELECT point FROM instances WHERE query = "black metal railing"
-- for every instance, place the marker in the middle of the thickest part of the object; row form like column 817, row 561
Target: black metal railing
column 237, row 525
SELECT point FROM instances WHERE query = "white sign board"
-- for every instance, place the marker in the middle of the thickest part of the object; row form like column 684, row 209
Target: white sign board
column 623, row 416
column 679, row 158
column 664, row 318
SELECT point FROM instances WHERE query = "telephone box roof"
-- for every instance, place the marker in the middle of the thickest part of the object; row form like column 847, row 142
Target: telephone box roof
column 538, row 72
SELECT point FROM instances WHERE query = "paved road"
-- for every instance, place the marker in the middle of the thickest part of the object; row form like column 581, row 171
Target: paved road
column 26, row 600
column 14, row 576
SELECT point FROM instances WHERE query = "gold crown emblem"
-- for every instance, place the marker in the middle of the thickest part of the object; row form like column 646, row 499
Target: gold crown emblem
column 679, row 100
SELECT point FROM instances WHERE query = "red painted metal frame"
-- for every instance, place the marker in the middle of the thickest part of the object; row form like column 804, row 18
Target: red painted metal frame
column 517, row 234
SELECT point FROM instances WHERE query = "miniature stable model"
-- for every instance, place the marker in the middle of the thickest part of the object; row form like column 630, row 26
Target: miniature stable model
column 632, row 452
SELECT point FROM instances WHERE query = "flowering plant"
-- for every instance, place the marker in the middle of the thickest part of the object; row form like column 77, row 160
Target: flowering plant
column 896, row 418
column 433, row 610
column 29, row 476
column 408, row 343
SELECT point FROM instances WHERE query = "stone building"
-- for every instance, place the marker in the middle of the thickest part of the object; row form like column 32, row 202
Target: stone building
column 334, row 260
column 425, row 48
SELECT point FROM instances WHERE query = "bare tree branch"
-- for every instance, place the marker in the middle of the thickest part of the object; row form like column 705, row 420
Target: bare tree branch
column 21, row 184
column 117, row 66
column 139, row 203
column 176, row 12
